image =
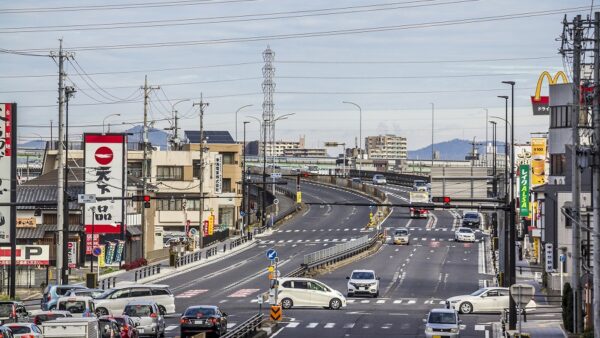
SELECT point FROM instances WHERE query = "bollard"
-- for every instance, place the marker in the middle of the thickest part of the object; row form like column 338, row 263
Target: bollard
column 224, row 247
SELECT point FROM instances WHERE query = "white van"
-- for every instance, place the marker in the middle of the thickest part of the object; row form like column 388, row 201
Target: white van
column 307, row 292
column 379, row 179
column 78, row 306
column 113, row 301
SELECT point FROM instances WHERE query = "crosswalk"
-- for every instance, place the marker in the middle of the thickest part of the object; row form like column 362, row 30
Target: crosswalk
column 354, row 325
column 399, row 301
column 333, row 241
column 317, row 230
column 191, row 293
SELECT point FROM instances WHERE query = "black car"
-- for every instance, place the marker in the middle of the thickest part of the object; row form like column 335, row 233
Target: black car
column 109, row 327
column 471, row 219
column 203, row 318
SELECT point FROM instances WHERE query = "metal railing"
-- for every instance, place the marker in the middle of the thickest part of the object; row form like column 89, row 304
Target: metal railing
column 211, row 252
column 246, row 328
column 188, row 258
column 105, row 283
column 334, row 251
column 146, row 271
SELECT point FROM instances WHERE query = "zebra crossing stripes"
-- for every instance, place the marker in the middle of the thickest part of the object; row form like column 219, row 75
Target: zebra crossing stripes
column 384, row 326
column 402, row 301
column 242, row 293
column 191, row 293
column 315, row 230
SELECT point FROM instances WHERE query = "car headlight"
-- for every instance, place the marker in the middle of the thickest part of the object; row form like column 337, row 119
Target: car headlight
column 428, row 329
column 455, row 330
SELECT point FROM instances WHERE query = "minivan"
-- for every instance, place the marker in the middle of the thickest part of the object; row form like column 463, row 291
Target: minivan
column 307, row 292
column 113, row 301
column 78, row 306
column 148, row 319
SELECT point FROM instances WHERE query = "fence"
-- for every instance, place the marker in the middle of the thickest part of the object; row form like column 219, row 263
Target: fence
column 246, row 328
column 335, row 251
column 394, row 178
column 187, row 259
column 217, row 236
column 146, row 271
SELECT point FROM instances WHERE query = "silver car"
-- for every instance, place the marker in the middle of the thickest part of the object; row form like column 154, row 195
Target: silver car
column 29, row 330
column 442, row 323
column 147, row 316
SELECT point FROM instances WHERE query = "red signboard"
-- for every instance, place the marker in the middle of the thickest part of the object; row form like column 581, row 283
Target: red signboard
column 89, row 245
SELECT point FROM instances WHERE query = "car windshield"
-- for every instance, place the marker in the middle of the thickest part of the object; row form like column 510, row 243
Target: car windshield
column 478, row 292
column 401, row 232
column 18, row 329
column 465, row 230
column 363, row 275
column 442, row 318
column 138, row 310
column 50, row 316
column 6, row 309
column 199, row 312
column 420, row 184
column 471, row 215
column 76, row 306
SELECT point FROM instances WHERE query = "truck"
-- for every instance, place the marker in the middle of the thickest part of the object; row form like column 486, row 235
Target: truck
column 418, row 197
column 71, row 327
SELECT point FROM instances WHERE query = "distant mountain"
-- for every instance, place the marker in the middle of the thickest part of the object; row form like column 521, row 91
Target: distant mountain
column 452, row 150
column 156, row 137
column 35, row 144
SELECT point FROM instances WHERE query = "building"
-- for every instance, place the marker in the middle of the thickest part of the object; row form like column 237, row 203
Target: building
column 386, row 147
column 305, row 152
column 255, row 148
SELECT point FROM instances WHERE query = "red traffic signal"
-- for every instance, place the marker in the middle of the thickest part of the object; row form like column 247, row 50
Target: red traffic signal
column 443, row 199
column 140, row 198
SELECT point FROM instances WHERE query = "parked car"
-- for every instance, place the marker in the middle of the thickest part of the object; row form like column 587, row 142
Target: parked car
column 25, row 330
column 471, row 219
column 363, row 282
column 85, row 292
column 442, row 323
column 12, row 311
column 401, row 236
column 109, row 328
column 126, row 326
column 113, row 301
column 203, row 318
column 463, row 234
column 5, row 332
column 307, row 292
column 53, row 292
column 148, row 318
column 490, row 299
column 379, row 179
column 43, row 316
column 77, row 306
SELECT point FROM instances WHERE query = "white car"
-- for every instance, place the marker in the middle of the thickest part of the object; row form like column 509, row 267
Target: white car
column 363, row 282
column 113, row 301
column 463, row 234
column 379, row 179
column 490, row 299
column 442, row 323
column 401, row 236
column 23, row 330
column 307, row 292
column 78, row 306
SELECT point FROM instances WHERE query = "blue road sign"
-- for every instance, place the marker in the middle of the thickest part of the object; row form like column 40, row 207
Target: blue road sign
column 271, row 254
column 371, row 207
column 242, row 213
column 563, row 258
column 97, row 251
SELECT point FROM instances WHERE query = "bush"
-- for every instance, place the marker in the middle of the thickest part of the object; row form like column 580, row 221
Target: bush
column 589, row 333
column 567, row 307
column 135, row 264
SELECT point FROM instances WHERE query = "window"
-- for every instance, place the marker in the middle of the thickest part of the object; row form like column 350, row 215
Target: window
column 560, row 117
column 300, row 284
column 287, row 284
column 176, row 204
column 196, row 168
column 168, row 173
column 226, row 185
column 228, row 158
column 120, row 294
column 139, row 292
column 135, row 169
column 226, row 216
column 557, row 164
column 160, row 292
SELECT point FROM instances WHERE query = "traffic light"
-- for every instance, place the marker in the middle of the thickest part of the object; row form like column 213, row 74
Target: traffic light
column 443, row 199
column 142, row 198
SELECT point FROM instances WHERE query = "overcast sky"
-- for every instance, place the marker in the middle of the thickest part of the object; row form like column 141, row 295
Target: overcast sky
column 393, row 58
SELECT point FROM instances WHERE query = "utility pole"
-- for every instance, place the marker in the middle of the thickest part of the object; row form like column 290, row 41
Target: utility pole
column 145, row 166
column 596, row 177
column 202, row 105
column 69, row 92
column 245, row 199
column 575, row 178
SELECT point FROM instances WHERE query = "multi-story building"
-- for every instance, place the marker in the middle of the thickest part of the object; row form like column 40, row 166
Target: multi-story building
column 386, row 147
column 274, row 149
column 305, row 152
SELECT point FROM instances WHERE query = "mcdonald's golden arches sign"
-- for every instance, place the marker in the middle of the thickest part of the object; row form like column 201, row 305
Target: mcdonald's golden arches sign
column 540, row 103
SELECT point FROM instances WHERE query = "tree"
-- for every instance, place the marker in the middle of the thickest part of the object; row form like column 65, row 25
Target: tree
column 567, row 307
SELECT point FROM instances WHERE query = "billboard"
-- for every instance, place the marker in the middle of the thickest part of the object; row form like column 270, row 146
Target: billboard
column 538, row 161
column 105, row 176
column 524, row 190
column 27, row 255
column 541, row 104
column 72, row 254
column 7, row 167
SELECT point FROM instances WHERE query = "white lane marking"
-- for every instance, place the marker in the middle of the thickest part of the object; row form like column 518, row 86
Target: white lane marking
column 223, row 301
column 366, row 326
column 381, row 301
column 479, row 327
column 312, row 325
column 365, row 301
column 171, row 327
column 293, row 324
column 398, row 301
column 348, row 325
column 329, row 325
column 487, row 334
column 231, row 325
column 412, row 301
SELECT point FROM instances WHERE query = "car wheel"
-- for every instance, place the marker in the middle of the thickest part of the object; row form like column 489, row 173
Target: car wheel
column 101, row 312
column 287, row 303
column 335, row 304
column 466, row 307
column 376, row 295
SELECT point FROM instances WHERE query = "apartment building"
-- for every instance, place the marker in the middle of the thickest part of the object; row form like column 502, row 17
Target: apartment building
column 386, row 147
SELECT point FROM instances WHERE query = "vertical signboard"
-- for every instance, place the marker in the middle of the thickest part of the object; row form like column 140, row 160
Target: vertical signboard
column 7, row 167
column 91, row 243
column 218, row 174
column 110, row 252
column 211, row 224
column 524, row 190
column 102, row 256
column 105, row 178
column 538, row 161
column 72, row 254
column 119, row 252
column 549, row 253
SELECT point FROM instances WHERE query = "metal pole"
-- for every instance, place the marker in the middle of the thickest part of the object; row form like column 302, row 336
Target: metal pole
column 596, row 178
column 264, row 176
column 93, row 234
column 432, row 132
column 360, row 144
column 575, row 179
column 236, row 119
column 244, row 187
column 69, row 91
column 202, row 104
column 486, row 137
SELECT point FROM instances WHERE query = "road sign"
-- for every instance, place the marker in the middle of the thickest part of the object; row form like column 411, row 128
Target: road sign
column 97, row 251
column 275, row 201
column 522, row 294
column 271, row 254
column 193, row 231
column 276, row 175
column 86, row 198
column 276, row 312
column 549, row 257
column 242, row 213
column 563, row 258
column 299, row 197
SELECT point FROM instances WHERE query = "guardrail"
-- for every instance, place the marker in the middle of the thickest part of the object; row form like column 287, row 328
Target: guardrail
column 211, row 252
column 246, row 328
column 105, row 283
column 146, row 271
column 188, row 258
column 393, row 178
column 240, row 241
column 310, row 259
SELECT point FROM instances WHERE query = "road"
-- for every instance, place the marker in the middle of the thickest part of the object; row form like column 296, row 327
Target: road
column 234, row 282
column 414, row 279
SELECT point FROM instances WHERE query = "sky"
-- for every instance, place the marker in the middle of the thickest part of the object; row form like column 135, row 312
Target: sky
column 392, row 58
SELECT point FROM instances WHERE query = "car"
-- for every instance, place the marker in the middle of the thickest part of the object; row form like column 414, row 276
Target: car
column 463, row 234
column 12, row 311
column 147, row 316
column 5, row 332
column 126, row 326
column 471, row 218
column 114, row 300
column 442, row 323
column 202, row 318
column 379, row 179
column 109, row 328
column 85, row 292
column 363, row 282
column 24, row 330
column 43, row 316
column 401, row 236
column 53, row 292
column 420, row 185
column 356, row 180
column 308, row 292
column 78, row 306
column 489, row 299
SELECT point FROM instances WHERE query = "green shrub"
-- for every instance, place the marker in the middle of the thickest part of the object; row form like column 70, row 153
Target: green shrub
column 589, row 333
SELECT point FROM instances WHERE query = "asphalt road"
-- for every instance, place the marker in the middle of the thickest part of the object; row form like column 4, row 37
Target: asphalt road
column 414, row 279
column 235, row 282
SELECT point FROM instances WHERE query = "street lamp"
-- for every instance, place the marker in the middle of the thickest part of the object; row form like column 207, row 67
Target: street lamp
column 432, row 133
column 263, row 133
column 236, row 119
column 360, row 143
column 104, row 120
column 244, row 188
column 494, row 185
